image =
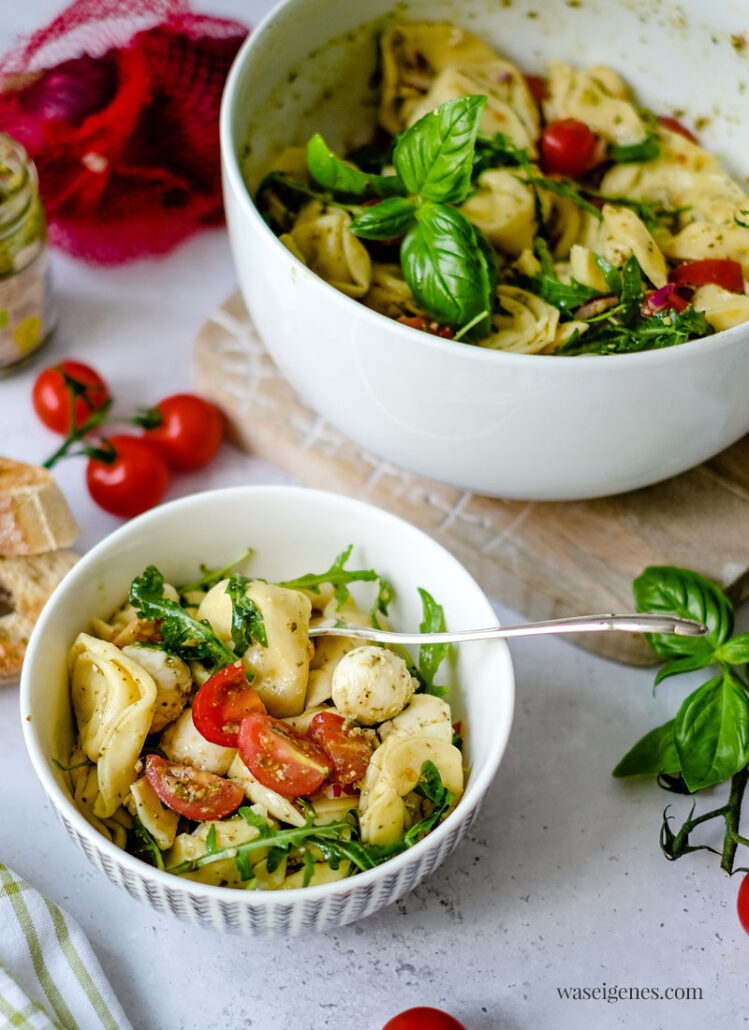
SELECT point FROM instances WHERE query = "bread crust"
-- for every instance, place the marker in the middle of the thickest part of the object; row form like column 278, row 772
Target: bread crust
column 34, row 515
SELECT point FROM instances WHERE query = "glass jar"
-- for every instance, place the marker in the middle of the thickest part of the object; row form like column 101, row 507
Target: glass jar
column 27, row 315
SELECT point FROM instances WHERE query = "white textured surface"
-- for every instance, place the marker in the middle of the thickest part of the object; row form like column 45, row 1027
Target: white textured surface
column 561, row 883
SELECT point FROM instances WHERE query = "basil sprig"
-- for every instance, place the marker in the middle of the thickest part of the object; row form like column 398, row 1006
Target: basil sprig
column 707, row 742
column 447, row 261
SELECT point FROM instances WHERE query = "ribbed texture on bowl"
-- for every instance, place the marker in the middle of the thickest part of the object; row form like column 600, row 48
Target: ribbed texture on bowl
column 290, row 913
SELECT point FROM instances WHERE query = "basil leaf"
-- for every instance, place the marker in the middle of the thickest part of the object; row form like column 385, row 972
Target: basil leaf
column 246, row 618
column 655, row 753
column 335, row 174
column 632, row 294
column 648, row 150
column 565, row 296
column 434, row 157
column 446, row 265
column 676, row 666
column 610, row 273
column 431, row 656
column 711, row 731
column 385, row 221
column 663, row 588
column 734, row 651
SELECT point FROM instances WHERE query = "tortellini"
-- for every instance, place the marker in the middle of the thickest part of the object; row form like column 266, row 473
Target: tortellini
column 722, row 309
column 702, row 240
column 389, row 293
column 522, row 323
column 278, row 806
column 596, row 96
column 113, row 699
column 425, row 64
column 172, row 678
column 371, row 684
column 280, row 670
column 159, row 820
column 624, row 234
column 320, row 239
column 224, row 873
column 503, row 207
column 181, row 742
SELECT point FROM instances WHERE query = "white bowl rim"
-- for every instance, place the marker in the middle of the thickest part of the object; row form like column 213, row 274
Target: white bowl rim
column 657, row 357
column 253, row 898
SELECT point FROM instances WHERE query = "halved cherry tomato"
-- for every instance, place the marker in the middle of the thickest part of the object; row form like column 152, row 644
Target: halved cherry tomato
column 137, row 479
column 190, row 433
column 423, row 1019
column 280, row 758
column 345, row 745
column 51, row 395
column 567, row 148
column 721, row 271
column 433, row 328
column 192, row 792
column 538, row 87
column 221, row 704
column 742, row 903
column 667, row 298
column 668, row 122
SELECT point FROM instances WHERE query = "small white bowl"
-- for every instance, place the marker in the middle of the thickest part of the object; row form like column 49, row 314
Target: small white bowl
column 508, row 425
column 293, row 531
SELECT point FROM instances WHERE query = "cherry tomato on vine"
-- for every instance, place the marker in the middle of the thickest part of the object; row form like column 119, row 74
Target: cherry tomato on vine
column 222, row 703
column 136, row 480
column 190, row 433
column 742, row 903
column 567, row 148
column 345, row 745
column 51, row 395
column 193, row 793
column 280, row 758
column 721, row 271
column 423, row 1019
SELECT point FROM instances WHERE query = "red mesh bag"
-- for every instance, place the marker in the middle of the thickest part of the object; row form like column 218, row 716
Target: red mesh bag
column 117, row 102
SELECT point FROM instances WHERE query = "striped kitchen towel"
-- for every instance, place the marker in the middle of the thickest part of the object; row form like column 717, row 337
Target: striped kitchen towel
column 49, row 976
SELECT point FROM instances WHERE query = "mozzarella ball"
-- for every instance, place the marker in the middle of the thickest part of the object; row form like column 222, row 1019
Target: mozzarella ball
column 371, row 684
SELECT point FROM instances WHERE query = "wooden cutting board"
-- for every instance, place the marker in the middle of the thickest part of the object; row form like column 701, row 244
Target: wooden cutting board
column 545, row 560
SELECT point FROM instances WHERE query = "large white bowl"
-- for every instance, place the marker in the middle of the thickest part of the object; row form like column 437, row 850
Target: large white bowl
column 293, row 531
column 534, row 427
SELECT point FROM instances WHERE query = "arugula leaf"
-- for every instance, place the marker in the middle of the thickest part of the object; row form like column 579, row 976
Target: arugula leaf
column 498, row 150
column 680, row 592
column 655, row 753
column 739, row 222
column 664, row 329
column 711, row 732
column 143, row 846
column 632, row 294
column 563, row 188
column 386, row 221
column 336, row 175
column 381, row 603
column 565, row 296
column 647, row 150
column 431, row 656
column 210, row 577
column 434, row 156
column 446, row 263
column 246, row 618
column 610, row 273
column 337, row 575
column 181, row 634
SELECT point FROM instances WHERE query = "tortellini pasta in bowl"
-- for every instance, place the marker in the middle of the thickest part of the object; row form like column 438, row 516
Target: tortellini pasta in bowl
column 212, row 739
column 433, row 208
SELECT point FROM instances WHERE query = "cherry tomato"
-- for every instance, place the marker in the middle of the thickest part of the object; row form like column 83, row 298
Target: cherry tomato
column 221, row 704
column 280, row 758
column 720, row 271
column 51, row 395
column 675, row 126
column 538, row 87
column 190, row 433
column 567, row 148
column 345, row 745
column 742, row 903
column 423, row 1019
column 664, row 299
column 192, row 792
column 433, row 328
column 136, row 480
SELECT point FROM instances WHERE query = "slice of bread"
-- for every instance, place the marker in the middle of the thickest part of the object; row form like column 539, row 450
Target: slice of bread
column 34, row 515
column 25, row 585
